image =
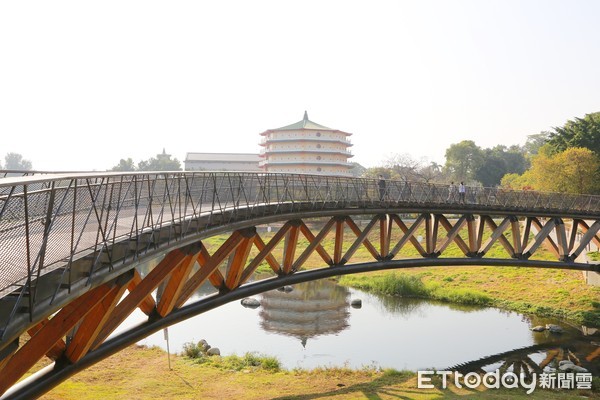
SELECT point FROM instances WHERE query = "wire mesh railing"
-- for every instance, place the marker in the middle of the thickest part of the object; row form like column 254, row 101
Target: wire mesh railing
column 49, row 220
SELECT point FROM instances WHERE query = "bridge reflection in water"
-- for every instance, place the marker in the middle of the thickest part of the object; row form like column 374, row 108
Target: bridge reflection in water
column 71, row 244
column 539, row 358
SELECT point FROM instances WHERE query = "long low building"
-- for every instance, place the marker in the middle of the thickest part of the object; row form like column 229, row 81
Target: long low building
column 222, row 162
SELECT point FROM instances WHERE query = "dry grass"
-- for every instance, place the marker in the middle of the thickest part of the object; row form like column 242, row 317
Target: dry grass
column 142, row 373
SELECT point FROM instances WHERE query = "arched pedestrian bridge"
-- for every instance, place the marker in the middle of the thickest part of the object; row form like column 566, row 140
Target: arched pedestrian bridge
column 71, row 246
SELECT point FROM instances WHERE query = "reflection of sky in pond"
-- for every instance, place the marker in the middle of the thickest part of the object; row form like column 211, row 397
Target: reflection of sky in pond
column 389, row 332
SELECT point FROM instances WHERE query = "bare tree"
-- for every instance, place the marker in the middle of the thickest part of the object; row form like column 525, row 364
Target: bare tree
column 404, row 167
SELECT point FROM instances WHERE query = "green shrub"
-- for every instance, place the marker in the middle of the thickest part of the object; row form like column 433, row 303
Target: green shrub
column 248, row 360
column 401, row 285
column 462, row 296
column 193, row 350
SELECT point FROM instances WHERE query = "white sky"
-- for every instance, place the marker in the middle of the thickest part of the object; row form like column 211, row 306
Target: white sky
column 86, row 83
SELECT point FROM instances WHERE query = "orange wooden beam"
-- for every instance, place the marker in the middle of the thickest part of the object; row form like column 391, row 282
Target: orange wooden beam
column 8, row 350
column 148, row 304
column 589, row 234
column 217, row 279
column 480, row 231
column 384, row 235
column 435, row 227
column 409, row 234
column 429, row 241
column 516, row 235
column 210, row 267
column 361, row 238
column 139, row 294
column 34, row 349
column 175, row 283
column 57, row 349
column 542, row 237
column 265, row 253
column 271, row 260
column 574, row 234
column 339, row 241
column 526, row 232
column 472, row 231
column 586, row 229
column 92, row 324
column 315, row 241
column 453, row 234
column 238, row 261
column 498, row 234
column 5, row 360
column 291, row 242
column 561, row 239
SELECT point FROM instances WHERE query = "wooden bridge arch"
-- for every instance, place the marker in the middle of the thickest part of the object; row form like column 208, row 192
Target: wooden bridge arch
column 71, row 323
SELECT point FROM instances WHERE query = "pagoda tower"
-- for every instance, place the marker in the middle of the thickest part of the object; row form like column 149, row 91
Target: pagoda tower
column 307, row 148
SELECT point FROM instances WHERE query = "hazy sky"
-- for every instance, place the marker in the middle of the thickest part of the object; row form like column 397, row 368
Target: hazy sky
column 86, row 83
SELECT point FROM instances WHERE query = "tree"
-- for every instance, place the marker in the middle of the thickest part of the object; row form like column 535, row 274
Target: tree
column 162, row 162
column 404, row 167
column 534, row 142
column 374, row 172
column 575, row 170
column 580, row 132
column 357, row 170
column 463, row 159
column 499, row 161
column 517, row 182
column 15, row 161
column 124, row 165
column 491, row 171
column 516, row 159
column 431, row 172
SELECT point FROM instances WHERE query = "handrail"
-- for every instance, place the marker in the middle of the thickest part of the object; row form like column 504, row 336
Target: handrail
column 48, row 220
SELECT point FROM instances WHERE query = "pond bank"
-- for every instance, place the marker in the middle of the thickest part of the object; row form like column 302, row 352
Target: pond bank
column 543, row 292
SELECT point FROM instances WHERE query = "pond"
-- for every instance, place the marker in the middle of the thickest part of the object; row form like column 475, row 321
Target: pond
column 314, row 325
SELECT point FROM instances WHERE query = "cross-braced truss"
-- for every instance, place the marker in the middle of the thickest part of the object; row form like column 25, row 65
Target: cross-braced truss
column 80, row 330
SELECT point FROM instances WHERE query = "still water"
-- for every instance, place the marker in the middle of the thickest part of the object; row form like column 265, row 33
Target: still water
column 314, row 325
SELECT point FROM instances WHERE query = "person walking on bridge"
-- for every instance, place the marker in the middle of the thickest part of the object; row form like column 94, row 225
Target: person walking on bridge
column 381, row 185
column 451, row 193
column 462, row 190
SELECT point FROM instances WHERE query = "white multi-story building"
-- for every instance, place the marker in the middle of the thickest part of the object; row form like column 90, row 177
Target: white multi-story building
column 306, row 147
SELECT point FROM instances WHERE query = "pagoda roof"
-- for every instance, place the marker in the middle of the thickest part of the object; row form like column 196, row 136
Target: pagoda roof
column 305, row 123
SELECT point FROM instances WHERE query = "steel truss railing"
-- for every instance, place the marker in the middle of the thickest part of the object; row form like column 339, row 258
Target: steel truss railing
column 49, row 221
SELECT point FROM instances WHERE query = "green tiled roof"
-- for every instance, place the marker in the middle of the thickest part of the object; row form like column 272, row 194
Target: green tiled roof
column 304, row 124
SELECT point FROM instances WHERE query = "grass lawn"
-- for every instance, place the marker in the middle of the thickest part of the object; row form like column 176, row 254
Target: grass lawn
column 142, row 373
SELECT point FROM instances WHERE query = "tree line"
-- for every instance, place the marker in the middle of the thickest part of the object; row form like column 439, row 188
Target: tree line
column 565, row 159
column 162, row 162
column 16, row 162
